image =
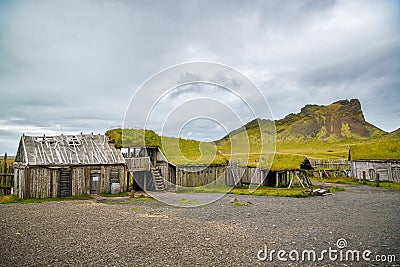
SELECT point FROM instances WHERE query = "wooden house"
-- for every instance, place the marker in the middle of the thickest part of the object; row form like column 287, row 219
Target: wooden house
column 67, row 165
column 371, row 164
column 385, row 170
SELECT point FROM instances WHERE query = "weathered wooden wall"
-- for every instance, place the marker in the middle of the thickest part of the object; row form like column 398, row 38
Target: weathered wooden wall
column 200, row 175
column 43, row 182
column 387, row 170
column 229, row 175
column 138, row 164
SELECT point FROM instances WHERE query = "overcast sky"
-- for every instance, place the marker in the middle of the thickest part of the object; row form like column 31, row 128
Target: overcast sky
column 73, row 66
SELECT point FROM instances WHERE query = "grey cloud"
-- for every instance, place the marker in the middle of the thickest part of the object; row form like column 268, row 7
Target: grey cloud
column 76, row 64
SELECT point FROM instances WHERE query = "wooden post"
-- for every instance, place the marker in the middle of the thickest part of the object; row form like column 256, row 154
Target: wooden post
column 276, row 179
column 377, row 180
column 5, row 163
column 364, row 177
column 128, row 179
column 145, row 181
column 291, row 176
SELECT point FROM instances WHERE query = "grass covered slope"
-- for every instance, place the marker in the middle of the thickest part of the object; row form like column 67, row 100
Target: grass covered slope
column 381, row 149
column 256, row 137
column 177, row 150
column 317, row 131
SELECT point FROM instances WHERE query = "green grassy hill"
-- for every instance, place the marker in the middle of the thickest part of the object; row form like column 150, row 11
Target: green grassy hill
column 255, row 137
column 317, row 131
column 383, row 148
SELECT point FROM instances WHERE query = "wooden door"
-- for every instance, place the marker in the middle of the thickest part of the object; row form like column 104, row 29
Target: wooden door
column 65, row 186
column 94, row 183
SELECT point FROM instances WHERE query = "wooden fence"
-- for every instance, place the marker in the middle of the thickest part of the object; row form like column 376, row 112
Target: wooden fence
column 339, row 164
column 6, row 176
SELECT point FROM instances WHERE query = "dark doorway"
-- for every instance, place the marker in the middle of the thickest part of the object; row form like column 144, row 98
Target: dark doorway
column 143, row 180
column 372, row 174
column 65, row 187
column 152, row 153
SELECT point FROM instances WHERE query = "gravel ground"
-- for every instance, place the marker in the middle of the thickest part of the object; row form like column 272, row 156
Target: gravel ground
column 149, row 233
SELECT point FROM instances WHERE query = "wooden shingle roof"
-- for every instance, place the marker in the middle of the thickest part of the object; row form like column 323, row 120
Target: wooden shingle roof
column 68, row 150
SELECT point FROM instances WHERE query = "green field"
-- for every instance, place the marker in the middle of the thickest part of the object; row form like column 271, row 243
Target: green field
column 248, row 147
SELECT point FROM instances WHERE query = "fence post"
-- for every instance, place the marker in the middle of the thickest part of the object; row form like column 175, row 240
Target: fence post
column 4, row 167
column 377, row 180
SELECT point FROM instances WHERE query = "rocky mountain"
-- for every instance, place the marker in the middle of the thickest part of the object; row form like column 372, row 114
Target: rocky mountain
column 341, row 120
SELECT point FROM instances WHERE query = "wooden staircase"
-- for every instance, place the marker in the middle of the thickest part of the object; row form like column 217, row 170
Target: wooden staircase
column 158, row 179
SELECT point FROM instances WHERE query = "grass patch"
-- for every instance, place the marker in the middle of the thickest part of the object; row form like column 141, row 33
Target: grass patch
column 205, row 189
column 185, row 202
column 14, row 199
column 271, row 191
column 134, row 208
column 335, row 189
column 385, row 184
column 238, row 204
column 140, row 198
column 244, row 190
column 341, row 180
column 393, row 185
column 122, row 194
column 354, row 181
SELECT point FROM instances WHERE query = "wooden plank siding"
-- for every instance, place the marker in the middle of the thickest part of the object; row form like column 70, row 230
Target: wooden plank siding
column 387, row 170
column 138, row 164
column 229, row 175
column 43, row 182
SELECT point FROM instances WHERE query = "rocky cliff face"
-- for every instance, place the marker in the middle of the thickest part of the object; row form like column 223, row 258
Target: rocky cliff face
column 343, row 119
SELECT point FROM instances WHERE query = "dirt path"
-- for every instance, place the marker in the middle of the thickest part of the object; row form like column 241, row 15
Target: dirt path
column 150, row 233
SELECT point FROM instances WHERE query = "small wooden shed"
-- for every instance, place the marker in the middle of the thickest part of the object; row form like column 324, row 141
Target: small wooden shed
column 67, row 165
column 376, row 160
column 385, row 170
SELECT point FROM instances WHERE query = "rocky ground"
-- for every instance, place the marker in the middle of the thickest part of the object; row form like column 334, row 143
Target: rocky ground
column 122, row 232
